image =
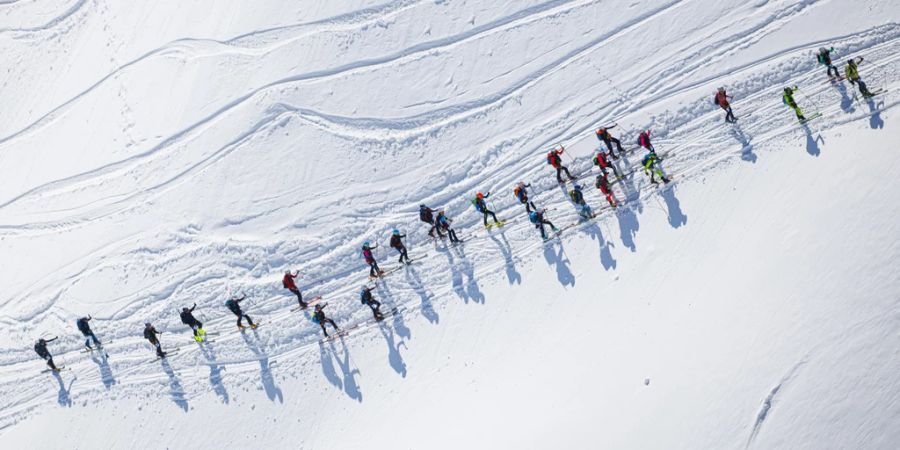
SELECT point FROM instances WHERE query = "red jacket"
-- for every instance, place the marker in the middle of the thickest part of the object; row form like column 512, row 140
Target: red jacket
column 601, row 160
column 288, row 281
column 722, row 99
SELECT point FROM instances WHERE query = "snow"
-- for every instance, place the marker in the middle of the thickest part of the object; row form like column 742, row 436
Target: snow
column 158, row 154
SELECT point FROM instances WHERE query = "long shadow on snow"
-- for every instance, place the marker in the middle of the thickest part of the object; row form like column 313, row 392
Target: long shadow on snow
column 348, row 382
column 466, row 289
column 628, row 226
column 677, row 217
column 401, row 328
column 812, row 143
column 606, row 258
column 846, row 101
column 876, row 122
column 512, row 274
column 265, row 369
column 559, row 259
column 215, row 371
column 412, row 277
column 394, row 356
column 106, row 374
column 176, row 391
column 63, row 397
column 746, row 143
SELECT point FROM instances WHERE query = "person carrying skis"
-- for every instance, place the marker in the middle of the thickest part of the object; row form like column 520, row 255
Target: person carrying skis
column 289, row 284
column 602, row 161
column 150, row 334
column 602, row 183
column 234, row 305
column 397, row 243
column 651, row 167
column 521, row 193
column 426, row 215
column 824, row 57
column 319, row 318
column 578, row 198
column 604, row 136
column 369, row 257
column 366, row 298
column 852, row 73
column 40, row 347
column 85, row 328
column 721, row 99
column 537, row 218
column 788, row 99
column 187, row 318
column 481, row 206
column 555, row 160
column 444, row 223
column 644, row 141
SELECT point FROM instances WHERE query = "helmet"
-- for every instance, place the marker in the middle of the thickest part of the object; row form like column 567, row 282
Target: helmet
column 721, row 89
column 422, row 206
column 41, row 341
column 576, row 187
column 364, row 287
column 365, row 244
column 147, row 324
column 185, row 309
column 823, row 50
column 479, row 196
column 395, row 232
column 787, row 90
column 601, row 130
column 287, row 272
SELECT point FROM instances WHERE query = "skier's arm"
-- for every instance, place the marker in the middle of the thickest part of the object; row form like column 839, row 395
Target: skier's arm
column 192, row 307
column 612, row 126
column 51, row 340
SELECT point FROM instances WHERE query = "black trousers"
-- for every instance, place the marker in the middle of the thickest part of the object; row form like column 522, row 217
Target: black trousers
column 327, row 320
column 486, row 212
column 403, row 254
column 560, row 170
column 609, row 145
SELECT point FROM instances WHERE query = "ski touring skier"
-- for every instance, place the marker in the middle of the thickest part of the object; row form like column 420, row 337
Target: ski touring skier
column 555, row 160
column 537, row 218
column 234, row 305
column 289, row 284
column 85, row 328
column 187, row 318
column 824, row 58
column 604, row 136
column 721, row 99
column 150, row 334
column 788, row 99
column 366, row 298
column 521, row 193
column 644, row 141
column 482, row 207
column 40, row 347
column 577, row 197
column 651, row 167
column 319, row 318
column 369, row 257
column 852, row 73
column 426, row 215
column 602, row 183
column 397, row 243
column 443, row 223
column 602, row 161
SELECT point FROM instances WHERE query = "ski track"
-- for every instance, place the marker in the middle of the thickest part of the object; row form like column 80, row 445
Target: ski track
column 693, row 146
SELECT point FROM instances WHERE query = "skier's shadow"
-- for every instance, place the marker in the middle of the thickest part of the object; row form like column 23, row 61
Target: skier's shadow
column 350, row 385
column 512, row 274
column 106, row 374
column 63, row 397
column 746, row 144
column 606, row 258
column 215, row 371
column 628, row 226
column 466, row 289
column 558, row 259
column 812, row 143
column 677, row 217
column 846, row 101
column 875, row 121
column 401, row 328
column 265, row 369
column 394, row 356
column 427, row 309
column 328, row 367
column 176, row 391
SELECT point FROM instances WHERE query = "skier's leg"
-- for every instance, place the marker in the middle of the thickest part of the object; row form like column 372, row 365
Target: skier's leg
column 94, row 338
column 540, row 226
column 559, row 174
column 248, row 320
column 485, row 214
column 372, row 272
column 550, row 223
column 322, row 324
column 527, row 206
column 494, row 216
column 566, row 169
column 51, row 363
column 87, row 341
column 332, row 323
column 863, row 89
column 453, row 237
column 730, row 116
column 239, row 323
column 618, row 146
column 431, row 231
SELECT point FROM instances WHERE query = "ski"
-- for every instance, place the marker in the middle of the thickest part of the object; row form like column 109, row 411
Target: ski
column 58, row 369
column 311, row 302
column 167, row 353
column 811, row 117
column 390, row 313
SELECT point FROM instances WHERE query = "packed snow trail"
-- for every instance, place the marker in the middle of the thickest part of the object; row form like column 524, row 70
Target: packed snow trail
column 202, row 160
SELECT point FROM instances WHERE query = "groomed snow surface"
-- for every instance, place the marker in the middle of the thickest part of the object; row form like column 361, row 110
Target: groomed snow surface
column 156, row 154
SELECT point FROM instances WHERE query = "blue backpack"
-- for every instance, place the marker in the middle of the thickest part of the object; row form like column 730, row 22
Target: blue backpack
column 533, row 217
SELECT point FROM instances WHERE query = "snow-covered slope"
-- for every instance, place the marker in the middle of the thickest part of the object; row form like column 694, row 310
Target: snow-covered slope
column 158, row 154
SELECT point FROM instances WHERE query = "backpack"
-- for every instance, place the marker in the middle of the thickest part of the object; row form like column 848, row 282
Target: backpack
column 716, row 100
column 478, row 205
column 551, row 158
column 518, row 193
column 533, row 217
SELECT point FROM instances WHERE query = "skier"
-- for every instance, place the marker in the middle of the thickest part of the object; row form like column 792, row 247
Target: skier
column 443, row 223
column 651, row 167
column 481, row 206
column 852, row 73
column 41, row 348
column 602, row 183
column 604, row 136
column 374, row 271
column 85, row 328
column 234, row 305
column 150, row 335
column 319, row 318
column 555, row 160
column 366, row 298
column 721, row 99
column 537, row 218
column 397, row 243
column 824, row 57
column 521, row 193
column 289, row 284
column 187, row 318
column 788, row 99
column 601, row 161
column 426, row 215
column 644, row 141
column 578, row 198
